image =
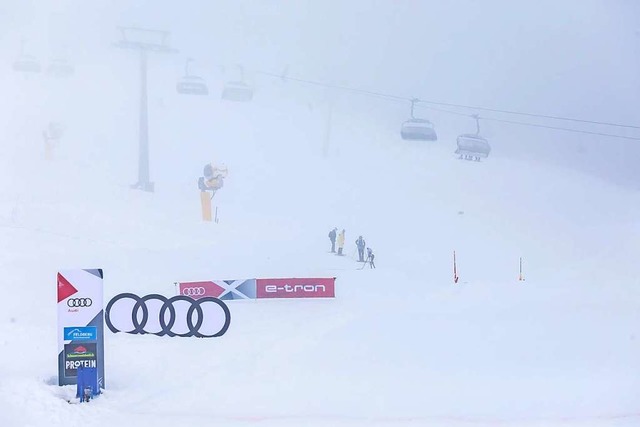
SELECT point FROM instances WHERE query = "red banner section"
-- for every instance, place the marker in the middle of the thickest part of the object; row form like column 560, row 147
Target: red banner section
column 296, row 288
column 197, row 290
column 65, row 289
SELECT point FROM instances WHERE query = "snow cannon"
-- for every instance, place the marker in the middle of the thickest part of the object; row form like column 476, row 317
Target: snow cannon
column 211, row 181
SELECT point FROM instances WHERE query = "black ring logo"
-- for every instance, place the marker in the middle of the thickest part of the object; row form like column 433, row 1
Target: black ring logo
column 167, row 304
column 79, row 302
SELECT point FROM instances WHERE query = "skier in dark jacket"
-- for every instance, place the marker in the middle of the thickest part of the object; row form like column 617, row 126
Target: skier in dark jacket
column 360, row 243
column 332, row 237
column 370, row 258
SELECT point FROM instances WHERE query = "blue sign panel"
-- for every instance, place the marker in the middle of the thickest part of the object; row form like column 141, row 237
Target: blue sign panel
column 81, row 333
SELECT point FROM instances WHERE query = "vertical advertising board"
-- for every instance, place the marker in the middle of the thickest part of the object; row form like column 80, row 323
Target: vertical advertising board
column 80, row 324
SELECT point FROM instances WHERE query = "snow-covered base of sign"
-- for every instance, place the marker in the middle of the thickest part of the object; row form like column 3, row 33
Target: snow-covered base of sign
column 67, row 393
column 71, row 398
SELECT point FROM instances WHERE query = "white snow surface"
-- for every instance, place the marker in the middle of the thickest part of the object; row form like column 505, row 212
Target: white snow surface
column 399, row 345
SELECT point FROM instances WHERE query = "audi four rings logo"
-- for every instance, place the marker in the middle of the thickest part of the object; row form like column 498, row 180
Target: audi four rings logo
column 144, row 316
column 193, row 292
column 79, row 302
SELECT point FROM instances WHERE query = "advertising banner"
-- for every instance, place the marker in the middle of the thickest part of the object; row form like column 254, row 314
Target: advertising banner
column 296, row 288
column 222, row 289
column 79, row 355
column 80, row 324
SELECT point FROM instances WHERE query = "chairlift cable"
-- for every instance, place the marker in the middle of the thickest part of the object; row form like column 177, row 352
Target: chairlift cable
column 448, row 111
column 423, row 101
column 340, row 87
column 561, row 128
column 544, row 116
column 534, row 125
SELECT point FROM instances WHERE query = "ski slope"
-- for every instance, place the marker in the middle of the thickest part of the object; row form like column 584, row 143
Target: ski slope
column 399, row 345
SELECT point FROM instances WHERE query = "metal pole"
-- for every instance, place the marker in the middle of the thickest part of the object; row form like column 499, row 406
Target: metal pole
column 326, row 143
column 413, row 103
column 144, row 47
column 327, row 132
column 143, row 153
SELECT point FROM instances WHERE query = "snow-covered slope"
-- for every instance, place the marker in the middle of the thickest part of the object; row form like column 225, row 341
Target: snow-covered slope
column 400, row 345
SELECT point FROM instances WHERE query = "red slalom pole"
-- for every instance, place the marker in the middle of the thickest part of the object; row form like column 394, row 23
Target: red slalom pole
column 455, row 268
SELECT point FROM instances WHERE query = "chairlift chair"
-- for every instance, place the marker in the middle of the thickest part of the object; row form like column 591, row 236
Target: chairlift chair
column 473, row 146
column 190, row 84
column 418, row 129
column 237, row 91
column 27, row 64
column 60, row 68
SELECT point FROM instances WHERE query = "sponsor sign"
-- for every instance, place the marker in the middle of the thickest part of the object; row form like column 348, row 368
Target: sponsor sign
column 80, row 324
column 222, row 289
column 180, row 315
column 198, row 290
column 259, row 288
column 295, row 288
column 81, row 333
column 79, row 355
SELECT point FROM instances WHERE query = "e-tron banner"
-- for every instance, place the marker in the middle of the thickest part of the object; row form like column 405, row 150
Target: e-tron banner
column 296, row 288
column 222, row 289
column 80, row 324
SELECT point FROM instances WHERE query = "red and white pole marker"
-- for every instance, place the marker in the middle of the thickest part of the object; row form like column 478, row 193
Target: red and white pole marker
column 455, row 269
column 520, row 276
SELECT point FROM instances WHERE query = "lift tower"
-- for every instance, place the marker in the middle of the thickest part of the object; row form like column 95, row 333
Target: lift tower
column 144, row 41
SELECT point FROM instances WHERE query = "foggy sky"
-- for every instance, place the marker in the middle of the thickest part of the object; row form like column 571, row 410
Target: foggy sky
column 576, row 58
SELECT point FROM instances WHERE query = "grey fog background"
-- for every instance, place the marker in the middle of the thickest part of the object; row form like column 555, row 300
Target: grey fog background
column 575, row 58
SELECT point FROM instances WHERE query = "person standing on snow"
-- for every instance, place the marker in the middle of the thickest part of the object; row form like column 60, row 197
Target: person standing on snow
column 332, row 237
column 370, row 257
column 360, row 243
column 341, row 242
